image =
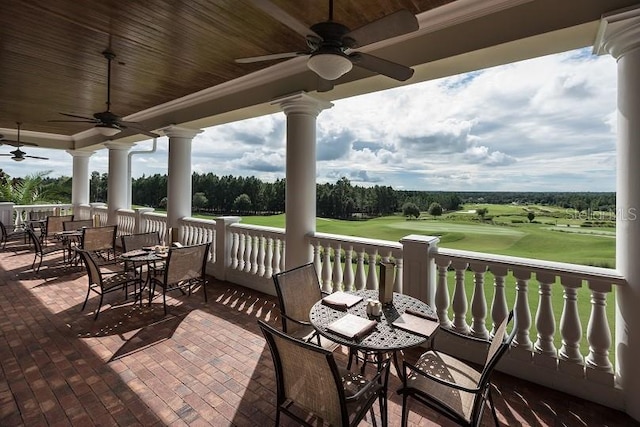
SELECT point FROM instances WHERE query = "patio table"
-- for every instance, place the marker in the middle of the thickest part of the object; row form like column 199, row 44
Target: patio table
column 385, row 338
column 148, row 256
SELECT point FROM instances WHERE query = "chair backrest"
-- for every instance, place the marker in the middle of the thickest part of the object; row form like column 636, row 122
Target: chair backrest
column 35, row 240
column 54, row 224
column 92, row 265
column 132, row 242
column 298, row 289
column 308, row 375
column 76, row 224
column 186, row 263
column 498, row 347
column 99, row 238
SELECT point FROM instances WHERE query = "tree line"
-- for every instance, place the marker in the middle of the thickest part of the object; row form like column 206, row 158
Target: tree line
column 251, row 196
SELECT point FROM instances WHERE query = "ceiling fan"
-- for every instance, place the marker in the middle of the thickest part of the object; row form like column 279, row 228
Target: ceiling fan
column 18, row 155
column 330, row 43
column 107, row 122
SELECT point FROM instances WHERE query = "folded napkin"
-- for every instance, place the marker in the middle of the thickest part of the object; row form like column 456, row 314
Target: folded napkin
column 417, row 322
column 341, row 300
column 352, row 326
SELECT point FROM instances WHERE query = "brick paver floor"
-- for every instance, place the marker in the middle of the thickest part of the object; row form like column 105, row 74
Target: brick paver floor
column 204, row 364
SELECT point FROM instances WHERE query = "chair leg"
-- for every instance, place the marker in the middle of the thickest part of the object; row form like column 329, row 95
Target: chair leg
column 405, row 411
column 86, row 299
column 99, row 306
column 493, row 406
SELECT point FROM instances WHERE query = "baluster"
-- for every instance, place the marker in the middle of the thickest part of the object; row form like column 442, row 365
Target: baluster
column 268, row 272
column 521, row 339
column 479, row 302
column 442, row 292
column 337, row 267
column 241, row 245
column 234, row 250
column 283, row 245
column 598, row 332
column 360, row 281
column 545, row 320
column 460, row 297
column 397, row 285
column 277, row 252
column 327, row 285
column 372, row 277
column 499, row 309
column 261, row 254
column 348, row 269
column 317, row 258
column 251, row 254
column 570, row 327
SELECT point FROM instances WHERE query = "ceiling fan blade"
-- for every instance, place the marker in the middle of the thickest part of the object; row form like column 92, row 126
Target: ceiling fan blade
column 393, row 25
column 381, row 66
column 36, row 157
column 135, row 126
column 72, row 121
column 6, row 155
column 280, row 15
column 270, row 57
column 77, row 116
column 16, row 143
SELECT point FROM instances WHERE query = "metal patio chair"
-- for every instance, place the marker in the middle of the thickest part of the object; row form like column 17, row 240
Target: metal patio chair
column 12, row 234
column 310, row 385
column 131, row 242
column 185, row 269
column 42, row 251
column 454, row 388
column 106, row 281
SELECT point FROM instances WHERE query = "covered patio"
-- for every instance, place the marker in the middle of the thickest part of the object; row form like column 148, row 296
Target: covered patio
column 203, row 364
column 175, row 86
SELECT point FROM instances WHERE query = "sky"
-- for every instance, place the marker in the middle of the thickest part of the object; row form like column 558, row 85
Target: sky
column 545, row 124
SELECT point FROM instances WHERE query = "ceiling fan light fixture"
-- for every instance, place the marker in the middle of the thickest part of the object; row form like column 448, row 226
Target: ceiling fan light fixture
column 108, row 131
column 329, row 66
column 18, row 158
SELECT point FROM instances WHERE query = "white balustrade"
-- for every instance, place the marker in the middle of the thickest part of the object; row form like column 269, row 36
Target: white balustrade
column 23, row 212
column 328, row 250
column 256, row 251
column 194, row 231
column 153, row 221
column 126, row 221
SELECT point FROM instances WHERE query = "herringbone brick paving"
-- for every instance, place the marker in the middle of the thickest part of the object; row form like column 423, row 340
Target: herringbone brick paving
column 201, row 365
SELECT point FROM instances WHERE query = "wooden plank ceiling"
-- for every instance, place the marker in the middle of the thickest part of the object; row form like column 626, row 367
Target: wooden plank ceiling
column 51, row 61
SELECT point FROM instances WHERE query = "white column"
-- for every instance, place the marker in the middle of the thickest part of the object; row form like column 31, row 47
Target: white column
column 179, row 186
column 117, row 182
column 300, row 199
column 80, row 180
column 619, row 36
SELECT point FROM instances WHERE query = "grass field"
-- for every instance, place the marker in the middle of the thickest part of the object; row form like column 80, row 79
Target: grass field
column 555, row 235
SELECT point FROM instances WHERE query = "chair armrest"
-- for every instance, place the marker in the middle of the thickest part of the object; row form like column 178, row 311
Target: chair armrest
column 465, row 336
column 419, row 371
column 299, row 322
column 375, row 381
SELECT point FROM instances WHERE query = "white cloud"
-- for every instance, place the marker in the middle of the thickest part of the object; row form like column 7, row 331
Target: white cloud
column 546, row 124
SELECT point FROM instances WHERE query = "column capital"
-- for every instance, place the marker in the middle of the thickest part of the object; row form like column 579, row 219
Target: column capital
column 619, row 32
column 181, row 132
column 301, row 103
column 80, row 153
column 118, row 145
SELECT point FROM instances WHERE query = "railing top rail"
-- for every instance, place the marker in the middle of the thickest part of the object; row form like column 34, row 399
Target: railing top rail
column 584, row 272
column 155, row 214
column 190, row 219
column 262, row 228
column 360, row 241
column 126, row 211
column 46, row 205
